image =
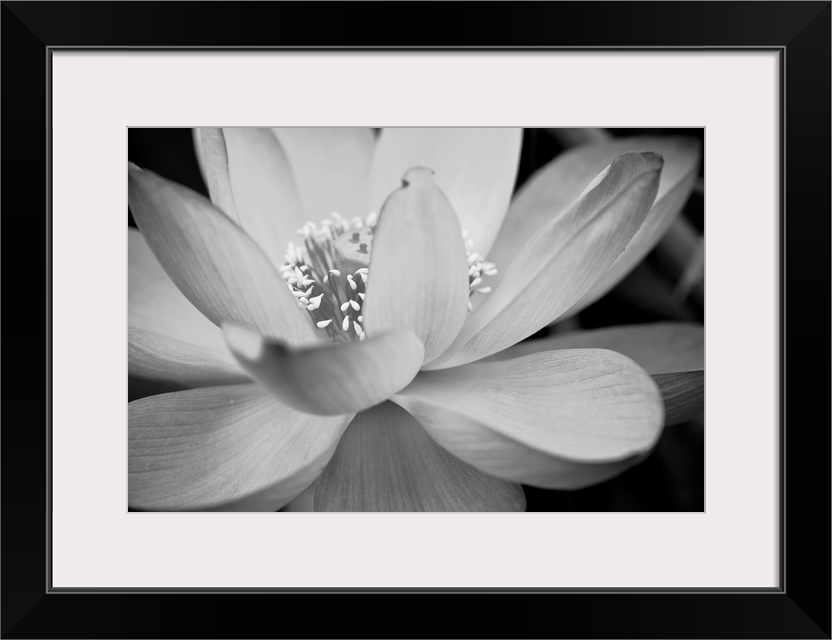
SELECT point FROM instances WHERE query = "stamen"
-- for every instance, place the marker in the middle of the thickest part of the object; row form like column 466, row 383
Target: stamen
column 477, row 269
column 313, row 269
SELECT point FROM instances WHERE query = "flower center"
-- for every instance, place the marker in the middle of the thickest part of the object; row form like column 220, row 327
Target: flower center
column 328, row 272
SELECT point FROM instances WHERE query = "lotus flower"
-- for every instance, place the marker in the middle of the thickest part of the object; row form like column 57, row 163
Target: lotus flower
column 380, row 356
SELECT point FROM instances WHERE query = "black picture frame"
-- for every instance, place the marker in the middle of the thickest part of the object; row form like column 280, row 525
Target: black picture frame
column 799, row 608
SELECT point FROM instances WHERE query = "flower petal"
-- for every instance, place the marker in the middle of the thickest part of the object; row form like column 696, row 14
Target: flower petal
column 647, row 289
column 331, row 166
column 168, row 338
column 156, row 305
column 386, row 461
column 563, row 260
column 574, row 136
column 418, row 266
column 658, row 221
column 475, row 168
column 560, row 419
column 212, row 156
column 305, row 502
column 217, row 266
column 681, row 252
column 230, row 448
column 268, row 206
column 331, row 380
column 660, row 347
column 554, row 187
column 158, row 357
column 683, row 393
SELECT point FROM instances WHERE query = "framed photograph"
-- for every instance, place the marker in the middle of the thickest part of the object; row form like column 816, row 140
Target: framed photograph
column 418, row 316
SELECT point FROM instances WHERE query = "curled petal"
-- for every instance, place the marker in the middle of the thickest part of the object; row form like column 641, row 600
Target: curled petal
column 419, row 267
column 475, row 168
column 213, row 262
column 230, row 448
column 677, row 183
column 552, row 189
column 563, row 260
column 559, row 419
column 334, row 379
column 387, row 462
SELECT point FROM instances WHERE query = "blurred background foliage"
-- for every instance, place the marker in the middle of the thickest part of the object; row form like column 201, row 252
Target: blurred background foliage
column 667, row 286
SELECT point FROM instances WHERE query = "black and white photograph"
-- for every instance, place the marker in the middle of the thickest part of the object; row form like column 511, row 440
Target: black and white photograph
column 416, row 319
column 411, row 308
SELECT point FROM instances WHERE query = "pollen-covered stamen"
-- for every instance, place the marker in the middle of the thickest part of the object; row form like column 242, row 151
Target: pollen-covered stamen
column 328, row 274
column 477, row 269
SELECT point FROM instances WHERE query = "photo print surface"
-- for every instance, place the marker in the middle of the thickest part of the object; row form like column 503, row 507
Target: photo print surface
column 415, row 319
